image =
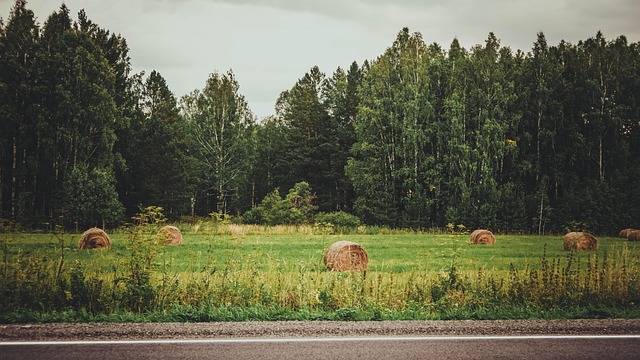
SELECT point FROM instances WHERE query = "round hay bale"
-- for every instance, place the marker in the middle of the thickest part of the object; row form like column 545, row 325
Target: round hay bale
column 484, row 237
column 170, row 235
column 346, row 256
column 95, row 238
column 633, row 235
column 579, row 241
column 625, row 233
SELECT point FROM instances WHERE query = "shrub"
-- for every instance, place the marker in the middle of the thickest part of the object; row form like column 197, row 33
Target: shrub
column 299, row 200
column 151, row 215
column 253, row 216
column 91, row 198
column 339, row 219
column 295, row 209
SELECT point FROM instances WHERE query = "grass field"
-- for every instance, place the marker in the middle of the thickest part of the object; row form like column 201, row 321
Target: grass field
column 387, row 253
column 279, row 274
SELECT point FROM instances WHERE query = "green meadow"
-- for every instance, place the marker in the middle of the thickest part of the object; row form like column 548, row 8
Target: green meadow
column 236, row 273
column 388, row 253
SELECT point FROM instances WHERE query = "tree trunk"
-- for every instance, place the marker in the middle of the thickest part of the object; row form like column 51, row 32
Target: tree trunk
column 600, row 159
column 541, row 214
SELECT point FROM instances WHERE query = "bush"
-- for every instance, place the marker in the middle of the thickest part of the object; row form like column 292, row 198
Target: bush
column 296, row 209
column 339, row 219
column 253, row 216
column 91, row 198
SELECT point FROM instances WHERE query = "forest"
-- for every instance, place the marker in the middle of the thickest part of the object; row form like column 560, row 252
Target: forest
column 537, row 141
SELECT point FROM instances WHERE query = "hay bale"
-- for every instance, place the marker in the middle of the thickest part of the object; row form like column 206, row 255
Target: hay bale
column 625, row 233
column 170, row 235
column 484, row 237
column 95, row 238
column 633, row 235
column 579, row 241
column 346, row 256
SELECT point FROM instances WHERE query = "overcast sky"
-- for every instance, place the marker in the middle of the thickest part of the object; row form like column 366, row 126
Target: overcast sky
column 270, row 44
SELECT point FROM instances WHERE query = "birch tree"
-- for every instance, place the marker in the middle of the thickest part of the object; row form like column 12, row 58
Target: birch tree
column 221, row 127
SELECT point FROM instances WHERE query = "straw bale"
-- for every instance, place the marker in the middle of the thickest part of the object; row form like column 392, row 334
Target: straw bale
column 346, row 256
column 580, row 241
column 95, row 238
column 170, row 235
column 633, row 235
column 624, row 233
column 484, row 237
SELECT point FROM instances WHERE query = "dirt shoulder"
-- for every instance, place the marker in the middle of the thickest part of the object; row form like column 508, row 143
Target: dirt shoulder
column 307, row 329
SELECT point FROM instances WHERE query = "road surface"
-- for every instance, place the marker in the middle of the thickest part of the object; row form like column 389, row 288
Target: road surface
column 574, row 339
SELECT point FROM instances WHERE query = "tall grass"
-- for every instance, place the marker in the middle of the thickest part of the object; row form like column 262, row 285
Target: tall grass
column 205, row 226
column 263, row 276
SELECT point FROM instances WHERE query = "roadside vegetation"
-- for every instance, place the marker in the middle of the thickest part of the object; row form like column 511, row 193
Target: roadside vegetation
column 228, row 272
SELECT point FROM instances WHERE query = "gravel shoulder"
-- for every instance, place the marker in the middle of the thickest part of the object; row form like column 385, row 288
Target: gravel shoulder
column 310, row 329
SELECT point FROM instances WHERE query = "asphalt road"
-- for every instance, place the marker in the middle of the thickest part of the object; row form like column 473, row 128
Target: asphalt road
column 498, row 339
column 456, row 347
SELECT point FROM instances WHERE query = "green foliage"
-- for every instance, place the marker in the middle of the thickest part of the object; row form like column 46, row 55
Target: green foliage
column 137, row 291
column 222, row 219
column 296, row 209
column 300, row 200
column 151, row 215
column 253, row 216
column 221, row 126
column 313, row 150
column 340, row 219
column 92, row 199
column 157, row 167
column 273, row 209
column 62, row 117
column 86, row 293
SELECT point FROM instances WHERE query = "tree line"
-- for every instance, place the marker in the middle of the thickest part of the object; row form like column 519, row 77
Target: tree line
column 420, row 137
